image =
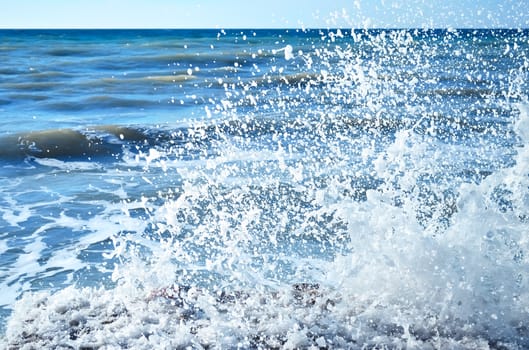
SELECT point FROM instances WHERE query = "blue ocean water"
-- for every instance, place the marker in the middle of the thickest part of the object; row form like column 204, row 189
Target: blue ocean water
column 264, row 188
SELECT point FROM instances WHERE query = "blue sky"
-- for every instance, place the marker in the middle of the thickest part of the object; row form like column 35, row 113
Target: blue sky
column 262, row 13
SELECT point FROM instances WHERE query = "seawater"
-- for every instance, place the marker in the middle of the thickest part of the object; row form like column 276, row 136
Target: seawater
column 264, row 189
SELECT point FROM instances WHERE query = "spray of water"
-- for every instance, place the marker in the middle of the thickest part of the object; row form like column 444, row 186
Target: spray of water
column 342, row 198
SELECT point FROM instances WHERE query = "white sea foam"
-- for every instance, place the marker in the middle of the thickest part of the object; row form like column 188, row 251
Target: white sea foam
column 67, row 166
column 399, row 285
column 295, row 238
column 14, row 216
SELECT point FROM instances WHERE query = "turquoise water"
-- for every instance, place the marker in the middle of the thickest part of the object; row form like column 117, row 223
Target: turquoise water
column 264, row 188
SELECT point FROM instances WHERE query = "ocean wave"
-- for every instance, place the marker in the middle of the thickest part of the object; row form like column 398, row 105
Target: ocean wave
column 364, row 194
column 31, row 86
column 172, row 78
column 98, row 102
column 97, row 141
column 67, row 143
column 28, row 97
column 68, row 51
column 47, row 75
column 106, row 140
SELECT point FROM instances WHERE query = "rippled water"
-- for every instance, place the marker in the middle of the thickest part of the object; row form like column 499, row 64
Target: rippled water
column 264, row 189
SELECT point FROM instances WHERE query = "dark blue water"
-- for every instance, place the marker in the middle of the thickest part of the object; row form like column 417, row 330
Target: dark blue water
column 264, row 188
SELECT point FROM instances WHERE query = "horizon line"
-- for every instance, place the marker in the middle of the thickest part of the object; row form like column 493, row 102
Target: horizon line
column 264, row 28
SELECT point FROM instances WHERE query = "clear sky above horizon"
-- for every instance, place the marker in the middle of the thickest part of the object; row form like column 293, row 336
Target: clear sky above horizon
column 263, row 14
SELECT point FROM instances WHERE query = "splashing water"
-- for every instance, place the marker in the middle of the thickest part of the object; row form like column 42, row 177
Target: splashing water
column 370, row 189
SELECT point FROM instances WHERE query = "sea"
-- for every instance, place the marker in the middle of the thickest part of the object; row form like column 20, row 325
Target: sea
column 264, row 189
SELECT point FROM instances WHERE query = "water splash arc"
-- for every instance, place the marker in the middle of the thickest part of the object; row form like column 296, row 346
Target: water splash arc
column 366, row 189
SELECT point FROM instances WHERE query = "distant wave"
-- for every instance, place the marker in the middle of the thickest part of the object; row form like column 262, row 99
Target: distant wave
column 109, row 140
column 95, row 102
column 69, row 143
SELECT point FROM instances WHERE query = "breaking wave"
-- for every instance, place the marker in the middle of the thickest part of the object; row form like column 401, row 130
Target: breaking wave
column 368, row 199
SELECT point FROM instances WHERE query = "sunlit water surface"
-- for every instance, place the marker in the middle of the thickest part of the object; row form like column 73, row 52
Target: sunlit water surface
column 264, row 189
